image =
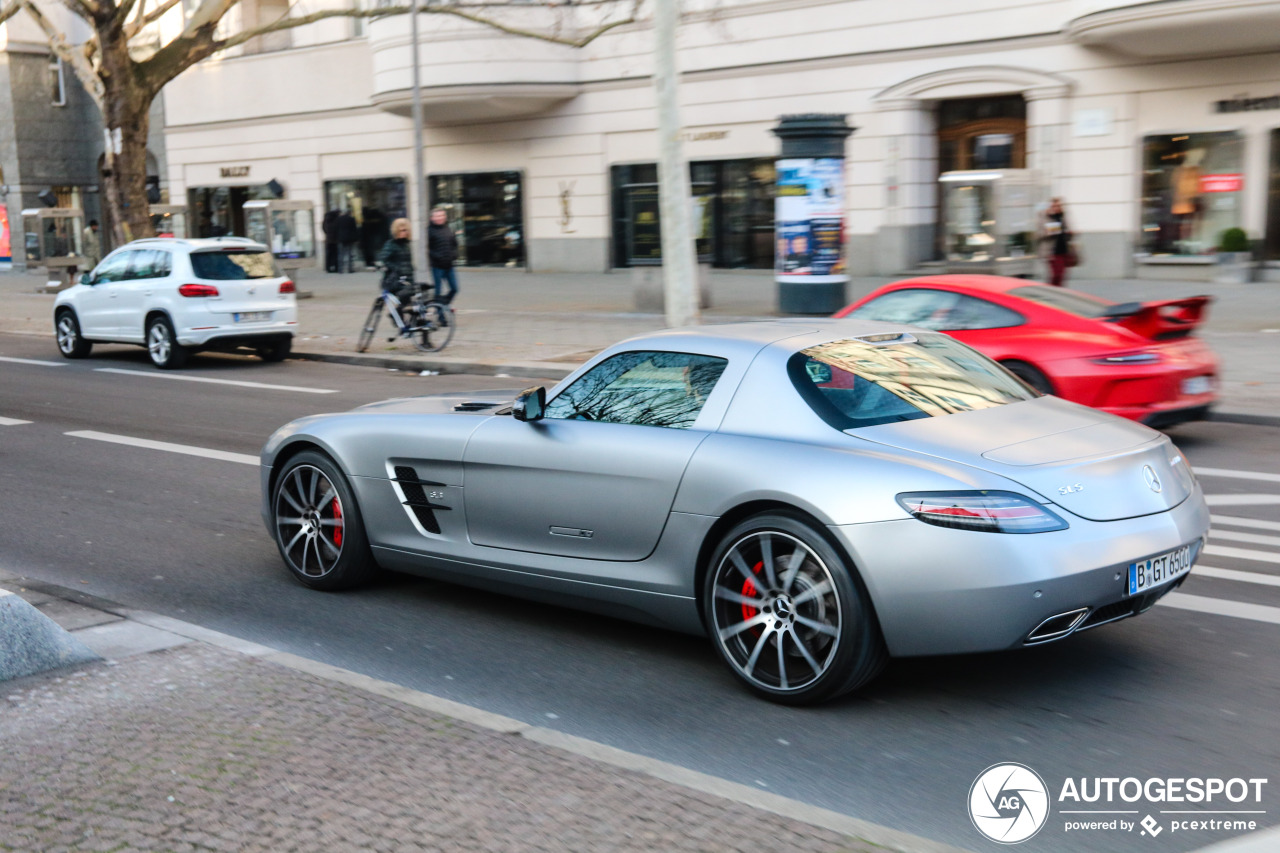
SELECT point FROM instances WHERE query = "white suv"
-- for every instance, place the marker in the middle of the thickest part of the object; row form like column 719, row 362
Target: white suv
column 178, row 296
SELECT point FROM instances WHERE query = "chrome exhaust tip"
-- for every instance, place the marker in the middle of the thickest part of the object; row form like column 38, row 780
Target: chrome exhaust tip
column 1057, row 627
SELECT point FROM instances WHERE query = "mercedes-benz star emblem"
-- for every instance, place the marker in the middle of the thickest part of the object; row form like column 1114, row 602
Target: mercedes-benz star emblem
column 1153, row 480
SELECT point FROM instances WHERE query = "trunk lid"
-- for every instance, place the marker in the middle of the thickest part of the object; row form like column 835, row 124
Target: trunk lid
column 1091, row 464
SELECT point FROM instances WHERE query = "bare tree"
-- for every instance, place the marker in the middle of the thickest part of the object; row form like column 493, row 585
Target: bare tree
column 123, row 68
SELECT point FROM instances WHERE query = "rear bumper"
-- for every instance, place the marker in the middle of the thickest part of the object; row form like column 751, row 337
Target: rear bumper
column 230, row 336
column 943, row 591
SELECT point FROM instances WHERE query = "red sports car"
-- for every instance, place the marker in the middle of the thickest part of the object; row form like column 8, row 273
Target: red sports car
column 1138, row 360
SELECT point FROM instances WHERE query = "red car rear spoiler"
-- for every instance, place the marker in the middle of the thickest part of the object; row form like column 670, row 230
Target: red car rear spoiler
column 1172, row 318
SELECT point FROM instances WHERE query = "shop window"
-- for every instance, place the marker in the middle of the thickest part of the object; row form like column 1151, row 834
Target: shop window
column 982, row 133
column 1272, row 245
column 374, row 203
column 1191, row 191
column 486, row 212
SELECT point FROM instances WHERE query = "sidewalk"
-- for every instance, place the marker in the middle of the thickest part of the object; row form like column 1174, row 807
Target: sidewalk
column 543, row 325
column 183, row 739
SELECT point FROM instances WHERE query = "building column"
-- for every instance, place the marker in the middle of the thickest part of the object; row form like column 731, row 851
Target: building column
column 1047, row 127
column 909, row 222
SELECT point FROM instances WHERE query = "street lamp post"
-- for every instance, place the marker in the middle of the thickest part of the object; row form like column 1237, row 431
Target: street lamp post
column 419, row 177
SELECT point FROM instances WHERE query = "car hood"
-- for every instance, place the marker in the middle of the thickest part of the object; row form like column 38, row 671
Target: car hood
column 462, row 402
column 1092, row 464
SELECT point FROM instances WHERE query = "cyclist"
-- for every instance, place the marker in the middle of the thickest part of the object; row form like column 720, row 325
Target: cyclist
column 396, row 261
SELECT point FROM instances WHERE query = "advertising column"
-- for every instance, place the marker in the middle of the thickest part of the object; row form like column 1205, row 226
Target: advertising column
column 809, row 241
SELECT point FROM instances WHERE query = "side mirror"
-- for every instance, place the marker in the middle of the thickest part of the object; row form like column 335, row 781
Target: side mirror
column 530, row 404
column 86, row 278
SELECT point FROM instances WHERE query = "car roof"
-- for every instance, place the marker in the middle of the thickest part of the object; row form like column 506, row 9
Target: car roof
column 744, row 338
column 197, row 244
column 989, row 283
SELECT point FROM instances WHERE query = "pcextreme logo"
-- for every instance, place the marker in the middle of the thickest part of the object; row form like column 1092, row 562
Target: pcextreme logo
column 1008, row 803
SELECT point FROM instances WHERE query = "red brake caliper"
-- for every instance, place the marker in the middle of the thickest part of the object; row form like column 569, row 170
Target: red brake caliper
column 337, row 528
column 749, row 590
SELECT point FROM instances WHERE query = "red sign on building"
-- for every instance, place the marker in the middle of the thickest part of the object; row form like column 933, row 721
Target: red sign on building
column 1221, row 183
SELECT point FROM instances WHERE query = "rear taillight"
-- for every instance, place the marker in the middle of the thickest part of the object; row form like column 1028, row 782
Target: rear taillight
column 288, row 287
column 198, row 290
column 993, row 512
column 1144, row 357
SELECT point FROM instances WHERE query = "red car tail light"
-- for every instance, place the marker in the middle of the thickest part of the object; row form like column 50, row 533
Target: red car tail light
column 288, row 287
column 198, row 290
column 990, row 511
column 1144, row 357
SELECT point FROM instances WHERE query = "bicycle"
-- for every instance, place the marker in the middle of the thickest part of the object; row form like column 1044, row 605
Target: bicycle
column 426, row 320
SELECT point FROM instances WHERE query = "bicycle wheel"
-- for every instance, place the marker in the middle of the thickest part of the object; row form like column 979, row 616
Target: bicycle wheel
column 370, row 326
column 436, row 328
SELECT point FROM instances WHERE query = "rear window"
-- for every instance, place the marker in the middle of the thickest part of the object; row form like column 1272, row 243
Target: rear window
column 1070, row 301
column 880, row 379
column 232, row 266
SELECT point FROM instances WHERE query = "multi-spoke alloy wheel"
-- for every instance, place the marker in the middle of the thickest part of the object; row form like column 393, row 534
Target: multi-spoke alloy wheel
column 787, row 613
column 70, row 343
column 317, row 525
column 163, row 346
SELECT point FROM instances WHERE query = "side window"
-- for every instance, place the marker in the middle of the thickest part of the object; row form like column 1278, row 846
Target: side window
column 164, row 264
column 666, row 389
column 113, row 268
column 973, row 313
column 928, row 309
column 142, row 265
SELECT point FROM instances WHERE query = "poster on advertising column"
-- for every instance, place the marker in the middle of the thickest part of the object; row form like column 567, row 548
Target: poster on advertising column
column 809, row 217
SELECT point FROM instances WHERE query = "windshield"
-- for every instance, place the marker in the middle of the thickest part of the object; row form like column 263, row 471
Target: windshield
column 879, row 379
column 232, row 266
column 1080, row 304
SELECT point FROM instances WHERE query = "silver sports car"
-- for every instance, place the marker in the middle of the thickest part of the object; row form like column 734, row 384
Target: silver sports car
column 815, row 495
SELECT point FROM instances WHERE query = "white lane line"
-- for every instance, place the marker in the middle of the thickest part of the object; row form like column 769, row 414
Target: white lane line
column 1235, row 521
column 1233, row 575
column 1222, row 607
column 1251, row 538
column 1242, row 553
column 1238, row 475
column 241, row 383
column 1241, row 500
column 12, row 422
column 223, row 455
column 13, row 360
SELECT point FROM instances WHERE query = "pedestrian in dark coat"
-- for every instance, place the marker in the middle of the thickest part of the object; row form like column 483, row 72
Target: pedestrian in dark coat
column 442, row 252
column 348, row 239
column 329, row 226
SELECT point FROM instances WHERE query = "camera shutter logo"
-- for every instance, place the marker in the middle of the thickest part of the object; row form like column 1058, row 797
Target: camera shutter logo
column 1008, row 803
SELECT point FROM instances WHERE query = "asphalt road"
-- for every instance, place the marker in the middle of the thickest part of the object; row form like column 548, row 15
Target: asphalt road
column 1174, row 693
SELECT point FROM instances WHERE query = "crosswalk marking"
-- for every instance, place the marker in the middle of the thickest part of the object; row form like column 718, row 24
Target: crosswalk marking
column 1242, row 553
column 1234, row 521
column 1251, row 538
column 12, row 422
column 149, row 444
column 1233, row 575
column 35, row 361
column 186, row 377
column 1238, row 475
column 1222, row 607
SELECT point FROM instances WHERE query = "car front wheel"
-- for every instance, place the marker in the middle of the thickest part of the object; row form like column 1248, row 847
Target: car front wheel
column 317, row 525
column 162, row 345
column 788, row 614
column 70, row 343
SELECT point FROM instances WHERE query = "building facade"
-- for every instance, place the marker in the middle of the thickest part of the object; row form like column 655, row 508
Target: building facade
column 1158, row 123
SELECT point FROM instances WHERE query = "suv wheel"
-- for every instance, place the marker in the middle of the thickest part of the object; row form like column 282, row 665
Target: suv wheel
column 162, row 344
column 70, row 342
column 276, row 350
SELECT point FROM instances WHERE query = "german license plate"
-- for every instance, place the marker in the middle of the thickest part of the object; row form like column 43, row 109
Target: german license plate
column 252, row 316
column 1147, row 574
column 1196, row 385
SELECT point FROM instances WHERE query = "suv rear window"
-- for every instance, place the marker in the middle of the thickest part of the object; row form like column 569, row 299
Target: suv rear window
column 222, row 265
column 880, row 379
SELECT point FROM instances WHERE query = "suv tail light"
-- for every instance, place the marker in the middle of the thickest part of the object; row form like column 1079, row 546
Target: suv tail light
column 198, row 290
column 991, row 511
column 288, row 287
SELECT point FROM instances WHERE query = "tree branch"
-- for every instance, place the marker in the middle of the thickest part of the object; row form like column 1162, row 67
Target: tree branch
column 150, row 18
column 8, row 10
column 77, row 59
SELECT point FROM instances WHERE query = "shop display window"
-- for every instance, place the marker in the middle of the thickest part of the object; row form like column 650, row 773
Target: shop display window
column 486, row 212
column 1192, row 190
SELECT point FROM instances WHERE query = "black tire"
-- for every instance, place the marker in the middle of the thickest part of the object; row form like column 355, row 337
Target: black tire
column 318, row 526
column 370, row 326
column 277, row 350
column 800, row 631
column 70, row 342
column 162, row 345
column 437, row 322
column 1030, row 375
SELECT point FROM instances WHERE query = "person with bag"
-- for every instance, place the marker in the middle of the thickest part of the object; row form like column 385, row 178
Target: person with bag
column 1056, row 243
column 442, row 251
column 396, row 260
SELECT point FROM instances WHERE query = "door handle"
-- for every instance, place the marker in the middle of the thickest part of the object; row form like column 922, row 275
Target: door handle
column 112, row 294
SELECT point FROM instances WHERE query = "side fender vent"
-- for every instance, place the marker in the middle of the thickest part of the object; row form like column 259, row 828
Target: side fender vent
column 416, row 498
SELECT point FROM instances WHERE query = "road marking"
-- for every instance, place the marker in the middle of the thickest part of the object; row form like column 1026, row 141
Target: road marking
column 1234, row 521
column 1242, row 553
column 1233, row 575
column 12, row 422
column 241, row 383
column 1222, row 607
column 33, row 361
column 1251, row 538
column 223, row 455
column 1241, row 500
column 1239, row 475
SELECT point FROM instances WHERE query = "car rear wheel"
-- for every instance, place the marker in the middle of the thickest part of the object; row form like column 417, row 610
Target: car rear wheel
column 162, row 345
column 317, row 525
column 789, row 614
column 70, row 342
column 277, row 350
column 1030, row 375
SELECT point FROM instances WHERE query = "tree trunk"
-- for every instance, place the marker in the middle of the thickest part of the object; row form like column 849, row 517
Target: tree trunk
column 126, row 108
